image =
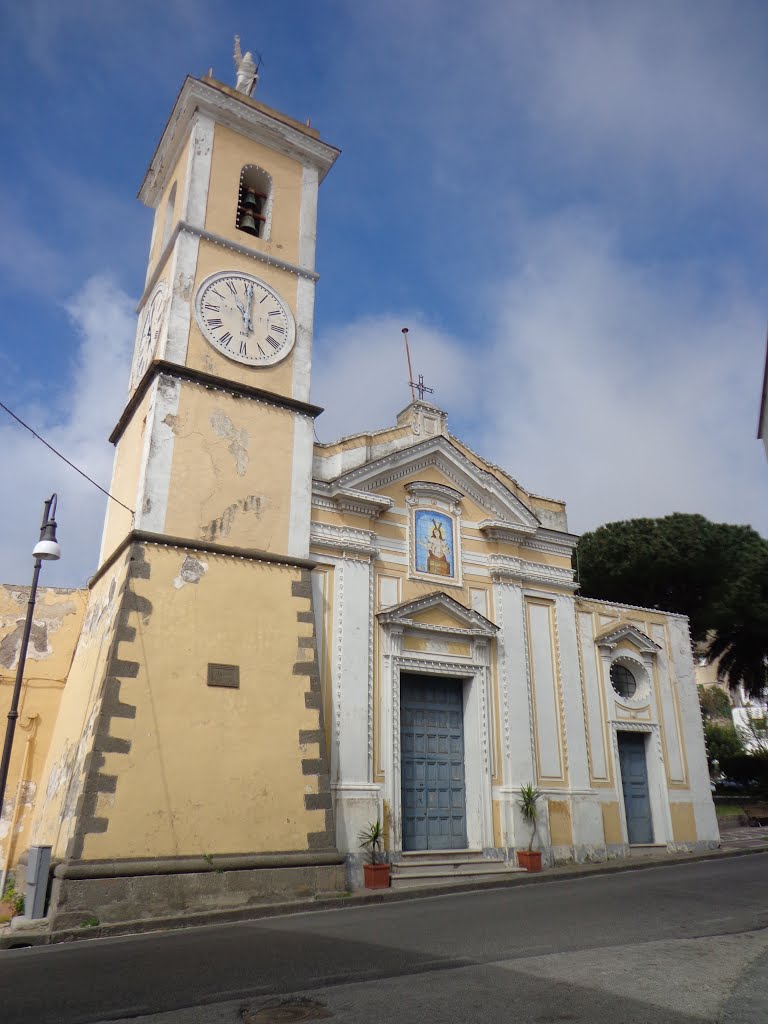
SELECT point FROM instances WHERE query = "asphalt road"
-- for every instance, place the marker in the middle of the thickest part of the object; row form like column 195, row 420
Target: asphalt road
column 672, row 945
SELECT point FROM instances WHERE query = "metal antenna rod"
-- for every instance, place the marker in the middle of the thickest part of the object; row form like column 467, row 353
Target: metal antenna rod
column 410, row 371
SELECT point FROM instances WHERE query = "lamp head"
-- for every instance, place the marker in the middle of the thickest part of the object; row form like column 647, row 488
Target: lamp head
column 47, row 547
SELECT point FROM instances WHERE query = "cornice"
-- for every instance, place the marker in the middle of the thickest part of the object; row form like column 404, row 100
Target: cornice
column 342, row 539
column 190, row 544
column 163, row 368
column 224, row 243
column 504, row 568
column 511, row 533
column 483, row 487
column 241, row 116
column 349, row 499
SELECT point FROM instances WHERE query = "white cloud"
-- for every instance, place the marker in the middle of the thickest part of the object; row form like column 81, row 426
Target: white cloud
column 360, row 373
column 625, row 389
column 77, row 423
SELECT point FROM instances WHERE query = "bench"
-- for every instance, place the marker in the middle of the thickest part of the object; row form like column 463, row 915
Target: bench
column 757, row 814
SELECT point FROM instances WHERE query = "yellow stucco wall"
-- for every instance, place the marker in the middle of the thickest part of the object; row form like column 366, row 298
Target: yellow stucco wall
column 612, row 823
column 56, row 624
column 73, row 732
column 125, row 477
column 210, row 769
column 560, row 824
column 683, row 822
column 178, row 178
column 231, row 471
column 231, row 152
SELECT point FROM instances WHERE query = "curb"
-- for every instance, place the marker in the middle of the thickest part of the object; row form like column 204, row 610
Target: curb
column 19, row 939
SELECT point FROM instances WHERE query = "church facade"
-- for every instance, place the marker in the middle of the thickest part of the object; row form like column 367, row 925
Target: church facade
column 288, row 641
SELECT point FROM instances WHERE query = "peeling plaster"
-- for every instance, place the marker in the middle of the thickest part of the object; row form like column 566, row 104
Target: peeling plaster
column 224, row 427
column 172, row 421
column 47, row 618
column 192, row 571
column 222, row 526
column 38, row 648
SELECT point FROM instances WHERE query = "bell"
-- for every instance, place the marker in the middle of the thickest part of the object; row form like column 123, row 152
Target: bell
column 250, row 198
column 248, row 223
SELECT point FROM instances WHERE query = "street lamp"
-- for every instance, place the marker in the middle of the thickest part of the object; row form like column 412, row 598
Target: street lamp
column 46, row 550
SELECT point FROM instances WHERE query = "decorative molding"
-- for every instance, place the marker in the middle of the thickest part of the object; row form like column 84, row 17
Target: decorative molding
column 348, row 499
column 371, row 621
column 241, row 114
column 343, row 539
column 225, row 243
column 426, row 489
column 439, row 452
column 610, row 638
column 588, row 603
column 505, row 568
column 497, row 529
column 161, row 367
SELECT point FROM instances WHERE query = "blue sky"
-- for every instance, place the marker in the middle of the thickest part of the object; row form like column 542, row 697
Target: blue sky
column 564, row 201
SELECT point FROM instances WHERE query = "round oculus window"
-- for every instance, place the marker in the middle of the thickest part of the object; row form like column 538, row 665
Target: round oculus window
column 622, row 680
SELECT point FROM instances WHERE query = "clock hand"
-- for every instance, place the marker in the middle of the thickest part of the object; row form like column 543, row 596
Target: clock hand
column 249, row 304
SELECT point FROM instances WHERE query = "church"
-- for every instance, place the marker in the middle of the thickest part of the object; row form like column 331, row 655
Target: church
column 289, row 641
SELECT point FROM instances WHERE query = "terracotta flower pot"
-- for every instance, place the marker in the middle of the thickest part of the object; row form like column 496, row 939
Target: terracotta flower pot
column 529, row 859
column 7, row 911
column 376, row 876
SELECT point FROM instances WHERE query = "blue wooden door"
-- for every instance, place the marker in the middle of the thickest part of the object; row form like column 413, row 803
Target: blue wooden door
column 634, row 783
column 432, row 735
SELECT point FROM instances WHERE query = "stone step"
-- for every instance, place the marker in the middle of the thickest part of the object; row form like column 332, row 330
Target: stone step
column 438, row 878
column 430, row 856
column 447, row 867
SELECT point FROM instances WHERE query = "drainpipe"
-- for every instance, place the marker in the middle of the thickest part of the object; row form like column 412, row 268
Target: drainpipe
column 31, row 726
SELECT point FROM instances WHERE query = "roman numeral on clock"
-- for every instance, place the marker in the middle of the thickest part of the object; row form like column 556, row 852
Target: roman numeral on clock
column 211, row 307
column 274, row 312
column 215, row 322
column 243, row 348
column 278, row 330
column 275, row 344
column 225, row 339
column 232, row 287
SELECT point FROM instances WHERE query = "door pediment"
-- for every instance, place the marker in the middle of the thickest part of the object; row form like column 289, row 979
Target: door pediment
column 625, row 633
column 438, row 613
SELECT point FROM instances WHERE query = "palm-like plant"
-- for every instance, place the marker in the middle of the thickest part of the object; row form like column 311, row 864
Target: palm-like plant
column 740, row 643
column 371, row 839
column 528, row 804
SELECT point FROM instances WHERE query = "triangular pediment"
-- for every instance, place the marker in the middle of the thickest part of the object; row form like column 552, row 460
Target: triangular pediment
column 438, row 612
column 626, row 633
column 504, row 509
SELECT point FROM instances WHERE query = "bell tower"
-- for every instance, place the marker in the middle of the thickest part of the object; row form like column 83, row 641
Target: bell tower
column 215, row 442
column 191, row 734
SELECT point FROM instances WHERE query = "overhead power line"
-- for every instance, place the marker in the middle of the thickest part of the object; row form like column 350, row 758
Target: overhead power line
column 64, row 458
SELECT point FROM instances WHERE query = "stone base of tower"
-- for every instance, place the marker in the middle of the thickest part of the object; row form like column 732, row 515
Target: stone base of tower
column 191, row 726
column 115, row 892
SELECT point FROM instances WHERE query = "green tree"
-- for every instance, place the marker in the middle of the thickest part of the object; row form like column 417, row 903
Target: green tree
column 715, row 573
column 740, row 622
column 722, row 741
column 715, row 703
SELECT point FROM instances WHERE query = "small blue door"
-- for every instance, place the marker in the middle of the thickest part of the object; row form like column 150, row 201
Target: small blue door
column 634, row 783
column 432, row 734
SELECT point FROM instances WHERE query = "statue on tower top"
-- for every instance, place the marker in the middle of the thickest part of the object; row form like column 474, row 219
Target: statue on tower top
column 247, row 70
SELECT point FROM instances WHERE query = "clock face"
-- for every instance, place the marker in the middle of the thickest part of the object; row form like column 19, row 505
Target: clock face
column 149, row 332
column 244, row 319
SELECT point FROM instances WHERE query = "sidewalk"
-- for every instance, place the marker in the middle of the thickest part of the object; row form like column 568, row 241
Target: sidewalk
column 735, row 842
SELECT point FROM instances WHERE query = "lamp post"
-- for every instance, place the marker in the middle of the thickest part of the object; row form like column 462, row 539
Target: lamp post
column 46, row 550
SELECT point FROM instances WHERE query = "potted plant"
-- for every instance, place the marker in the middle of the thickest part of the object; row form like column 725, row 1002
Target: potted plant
column 376, row 872
column 530, row 859
column 11, row 902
